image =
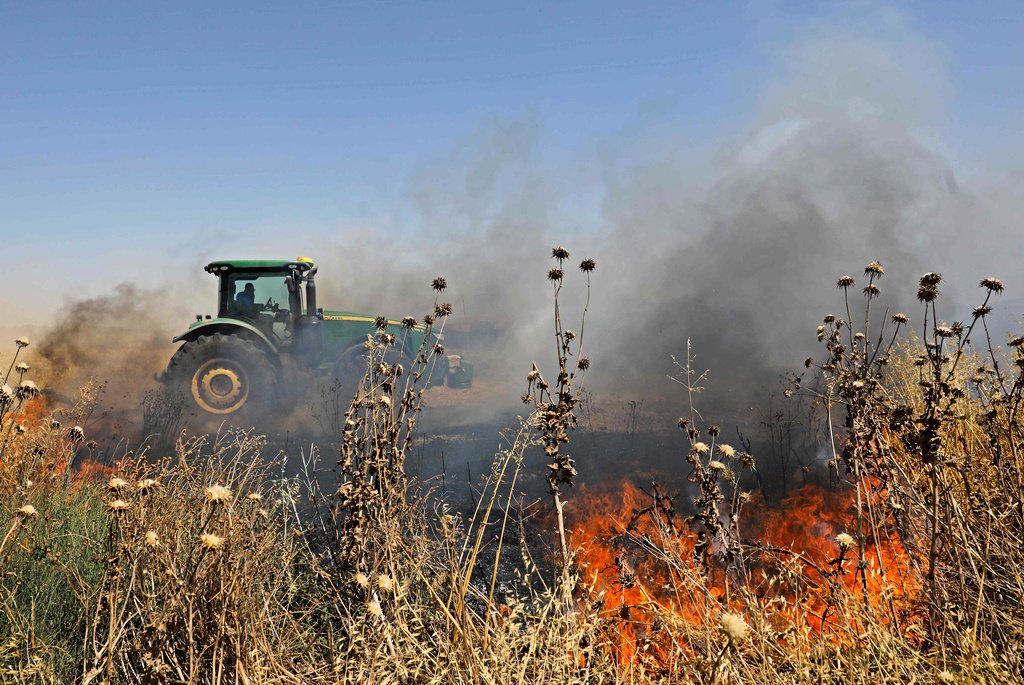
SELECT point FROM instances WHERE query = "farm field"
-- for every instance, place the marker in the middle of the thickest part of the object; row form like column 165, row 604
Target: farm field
column 595, row 546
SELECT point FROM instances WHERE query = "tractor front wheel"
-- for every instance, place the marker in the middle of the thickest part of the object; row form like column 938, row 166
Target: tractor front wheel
column 222, row 375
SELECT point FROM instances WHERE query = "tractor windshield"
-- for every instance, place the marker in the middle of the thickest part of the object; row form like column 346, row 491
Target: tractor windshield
column 269, row 299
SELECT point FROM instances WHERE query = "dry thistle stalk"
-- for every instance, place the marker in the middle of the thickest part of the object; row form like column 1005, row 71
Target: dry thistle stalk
column 377, row 433
column 555, row 404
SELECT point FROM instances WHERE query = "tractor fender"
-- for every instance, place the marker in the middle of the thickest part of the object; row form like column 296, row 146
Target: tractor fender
column 231, row 327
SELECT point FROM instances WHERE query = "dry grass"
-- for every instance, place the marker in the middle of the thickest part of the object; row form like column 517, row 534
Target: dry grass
column 201, row 566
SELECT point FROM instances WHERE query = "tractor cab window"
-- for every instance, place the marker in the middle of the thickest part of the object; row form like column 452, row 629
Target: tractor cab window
column 265, row 299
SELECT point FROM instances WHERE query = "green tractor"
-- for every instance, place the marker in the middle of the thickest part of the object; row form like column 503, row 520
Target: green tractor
column 268, row 335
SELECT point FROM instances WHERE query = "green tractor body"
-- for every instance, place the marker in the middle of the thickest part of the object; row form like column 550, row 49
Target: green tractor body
column 269, row 335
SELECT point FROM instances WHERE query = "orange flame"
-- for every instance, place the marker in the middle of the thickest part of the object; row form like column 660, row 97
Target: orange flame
column 642, row 576
column 61, row 452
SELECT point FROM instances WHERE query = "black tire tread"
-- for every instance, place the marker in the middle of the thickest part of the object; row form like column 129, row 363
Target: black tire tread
column 188, row 357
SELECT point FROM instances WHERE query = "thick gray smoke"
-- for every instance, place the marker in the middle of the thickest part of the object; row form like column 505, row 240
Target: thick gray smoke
column 841, row 163
column 738, row 251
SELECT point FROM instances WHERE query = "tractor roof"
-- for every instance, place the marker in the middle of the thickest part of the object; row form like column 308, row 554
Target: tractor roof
column 300, row 264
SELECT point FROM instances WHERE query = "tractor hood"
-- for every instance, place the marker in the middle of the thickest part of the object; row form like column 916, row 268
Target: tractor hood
column 366, row 318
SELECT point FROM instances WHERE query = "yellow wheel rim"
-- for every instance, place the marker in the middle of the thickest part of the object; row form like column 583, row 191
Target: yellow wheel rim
column 220, row 386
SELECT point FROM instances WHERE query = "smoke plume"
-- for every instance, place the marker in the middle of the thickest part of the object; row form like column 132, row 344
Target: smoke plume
column 842, row 162
column 122, row 339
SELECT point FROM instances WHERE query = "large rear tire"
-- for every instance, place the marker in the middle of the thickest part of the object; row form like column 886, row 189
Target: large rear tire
column 222, row 377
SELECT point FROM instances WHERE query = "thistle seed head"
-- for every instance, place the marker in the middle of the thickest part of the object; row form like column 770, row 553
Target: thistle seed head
column 727, row 451
column 27, row 511
column 408, row 321
column 22, row 367
column 7, row 394
column 211, row 541
column 733, row 626
column 27, row 390
column 845, row 540
column 118, row 505
column 217, row 493
column 554, row 275
column 899, row 317
column 1016, row 341
column 931, row 278
column 927, row 293
column 981, row 310
column 993, row 285
column 587, row 265
column 443, row 310
column 871, row 290
column 152, row 539
column 116, row 483
column 560, row 253
column 439, row 284
column 844, row 282
column 21, row 342
column 381, row 323
column 874, row 268
column 583, row 364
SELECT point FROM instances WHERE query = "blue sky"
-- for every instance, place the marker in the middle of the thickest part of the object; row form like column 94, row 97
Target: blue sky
column 130, row 132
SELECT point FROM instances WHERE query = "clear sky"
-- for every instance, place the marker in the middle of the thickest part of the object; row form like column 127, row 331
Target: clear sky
column 136, row 130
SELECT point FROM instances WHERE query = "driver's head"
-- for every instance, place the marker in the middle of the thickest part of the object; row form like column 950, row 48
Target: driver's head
column 250, row 288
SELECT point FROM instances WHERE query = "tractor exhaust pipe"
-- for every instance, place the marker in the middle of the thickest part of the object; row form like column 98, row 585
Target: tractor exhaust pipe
column 311, row 292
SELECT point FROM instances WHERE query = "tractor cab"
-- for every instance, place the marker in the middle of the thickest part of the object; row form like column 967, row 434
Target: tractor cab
column 268, row 294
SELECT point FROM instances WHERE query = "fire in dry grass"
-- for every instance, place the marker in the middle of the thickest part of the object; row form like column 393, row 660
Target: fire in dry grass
column 796, row 569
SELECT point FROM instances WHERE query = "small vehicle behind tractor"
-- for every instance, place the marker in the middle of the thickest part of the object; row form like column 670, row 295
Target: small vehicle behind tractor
column 269, row 339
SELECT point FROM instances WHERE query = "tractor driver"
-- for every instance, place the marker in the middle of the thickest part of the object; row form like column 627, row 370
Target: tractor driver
column 245, row 301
